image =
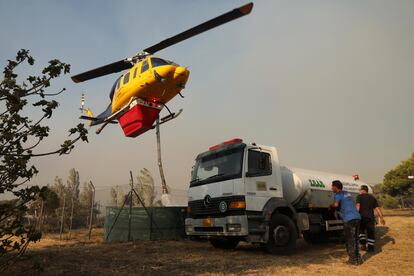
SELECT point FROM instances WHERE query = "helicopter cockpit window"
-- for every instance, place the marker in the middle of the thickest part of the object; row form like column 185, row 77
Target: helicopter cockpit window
column 126, row 78
column 158, row 62
column 118, row 83
column 144, row 66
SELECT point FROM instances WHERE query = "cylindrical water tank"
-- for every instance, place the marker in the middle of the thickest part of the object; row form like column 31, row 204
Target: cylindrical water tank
column 296, row 182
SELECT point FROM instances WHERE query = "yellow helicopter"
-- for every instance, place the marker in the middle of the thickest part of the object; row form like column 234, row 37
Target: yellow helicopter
column 140, row 93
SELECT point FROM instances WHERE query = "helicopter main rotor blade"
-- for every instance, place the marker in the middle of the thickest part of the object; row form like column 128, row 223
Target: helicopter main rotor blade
column 103, row 70
column 215, row 22
column 127, row 63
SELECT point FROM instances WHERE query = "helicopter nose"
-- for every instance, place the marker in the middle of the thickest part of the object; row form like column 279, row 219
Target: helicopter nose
column 179, row 70
column 181, row 74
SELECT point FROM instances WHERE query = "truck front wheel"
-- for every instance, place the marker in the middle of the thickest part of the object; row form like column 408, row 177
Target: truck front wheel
column 282, row 235
column 225, row 243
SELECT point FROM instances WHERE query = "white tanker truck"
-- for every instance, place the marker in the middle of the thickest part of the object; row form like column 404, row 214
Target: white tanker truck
column 240, row 191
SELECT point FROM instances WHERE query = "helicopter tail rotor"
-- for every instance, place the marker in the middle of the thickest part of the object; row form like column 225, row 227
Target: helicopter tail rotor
column 90, row 115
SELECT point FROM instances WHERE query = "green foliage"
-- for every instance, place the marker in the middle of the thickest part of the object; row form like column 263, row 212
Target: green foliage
column 389, row 202
column 20, row 135
column 41, row 212
column 396, row 181
column 50, row 198
column 396, row 185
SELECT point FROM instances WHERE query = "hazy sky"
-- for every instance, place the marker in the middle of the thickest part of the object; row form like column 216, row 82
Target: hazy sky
column 329, row 83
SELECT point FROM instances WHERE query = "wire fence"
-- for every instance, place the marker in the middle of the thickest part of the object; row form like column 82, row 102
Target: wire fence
column 112, row 196
column 88, row 209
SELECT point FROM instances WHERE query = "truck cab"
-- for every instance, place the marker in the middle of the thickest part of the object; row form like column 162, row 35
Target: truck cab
column 236, row 193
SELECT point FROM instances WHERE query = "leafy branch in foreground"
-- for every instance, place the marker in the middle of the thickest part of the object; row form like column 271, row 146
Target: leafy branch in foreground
column 20, row 135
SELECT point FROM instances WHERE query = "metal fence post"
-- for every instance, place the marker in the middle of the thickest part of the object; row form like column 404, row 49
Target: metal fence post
column 130, row 211
column 92, row 204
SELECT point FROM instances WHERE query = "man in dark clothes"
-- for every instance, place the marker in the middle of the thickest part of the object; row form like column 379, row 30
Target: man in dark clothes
column 351, row 219
column 366, row 204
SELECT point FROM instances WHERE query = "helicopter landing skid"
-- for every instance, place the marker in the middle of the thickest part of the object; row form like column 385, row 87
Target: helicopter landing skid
column 114, row 116
column 169, row 117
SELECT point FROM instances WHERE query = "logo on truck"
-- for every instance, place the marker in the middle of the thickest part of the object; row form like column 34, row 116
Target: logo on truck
column 207, row 200
column 316, row 183
column 223, row 206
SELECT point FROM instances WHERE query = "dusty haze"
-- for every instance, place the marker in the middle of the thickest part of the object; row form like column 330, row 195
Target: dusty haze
column 329, row 83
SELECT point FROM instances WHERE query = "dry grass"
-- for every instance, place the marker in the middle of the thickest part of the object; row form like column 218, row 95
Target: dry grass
column 82, row 257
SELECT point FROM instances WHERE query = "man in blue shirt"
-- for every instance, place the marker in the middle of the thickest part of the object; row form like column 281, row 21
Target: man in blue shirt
column 351, row 218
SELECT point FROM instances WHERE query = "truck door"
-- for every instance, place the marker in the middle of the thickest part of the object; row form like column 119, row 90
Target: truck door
column 260, row 181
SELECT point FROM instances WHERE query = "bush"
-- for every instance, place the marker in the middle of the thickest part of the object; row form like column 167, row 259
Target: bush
column 389, row 202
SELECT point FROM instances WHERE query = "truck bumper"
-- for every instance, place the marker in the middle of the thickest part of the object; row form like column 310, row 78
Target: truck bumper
column 211, row 226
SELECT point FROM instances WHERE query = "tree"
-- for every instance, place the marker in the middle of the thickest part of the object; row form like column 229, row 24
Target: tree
column 114, row 196
column 73, row 186
column 20, row 135
column 85, row 197
column 85, row 202
column 145, row 189
column 62, row 192
column 397, row 182
column 117, row 196
column 44, row 207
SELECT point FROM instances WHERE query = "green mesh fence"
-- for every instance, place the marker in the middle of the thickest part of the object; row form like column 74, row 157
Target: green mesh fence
column 167, row 223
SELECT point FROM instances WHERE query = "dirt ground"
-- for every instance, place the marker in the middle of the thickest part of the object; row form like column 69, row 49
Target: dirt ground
column 78, row 256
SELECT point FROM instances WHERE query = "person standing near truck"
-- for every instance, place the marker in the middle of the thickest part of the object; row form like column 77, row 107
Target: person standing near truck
column 351, row 219
column 366, row 204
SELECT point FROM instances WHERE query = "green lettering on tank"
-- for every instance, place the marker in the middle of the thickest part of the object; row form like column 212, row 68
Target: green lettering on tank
column 316, row 183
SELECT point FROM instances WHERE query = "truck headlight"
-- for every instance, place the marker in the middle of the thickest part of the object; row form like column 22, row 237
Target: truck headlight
column 233, row 227
column 237, row 205
column 188, row 228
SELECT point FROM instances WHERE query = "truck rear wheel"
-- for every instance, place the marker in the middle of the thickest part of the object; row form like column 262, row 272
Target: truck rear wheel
column 282, row 235
column 225, row 243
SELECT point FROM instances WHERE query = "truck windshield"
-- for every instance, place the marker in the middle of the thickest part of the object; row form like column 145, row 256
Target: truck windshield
column 219, row 166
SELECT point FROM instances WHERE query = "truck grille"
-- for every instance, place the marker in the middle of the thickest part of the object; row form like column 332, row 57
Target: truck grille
column 199, row 209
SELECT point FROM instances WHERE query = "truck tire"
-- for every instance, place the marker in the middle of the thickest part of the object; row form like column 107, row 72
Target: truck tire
column 225, row 243
column 315, row 238
column 282, row 235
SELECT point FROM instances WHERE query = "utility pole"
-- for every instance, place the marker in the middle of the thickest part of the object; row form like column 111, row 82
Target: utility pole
column 163, row 182
column 92, row 204
column 63, row 214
